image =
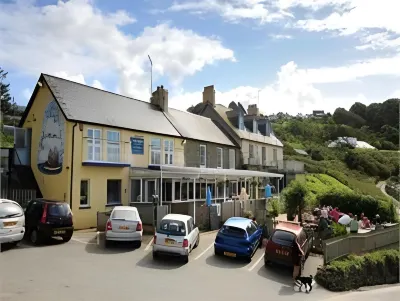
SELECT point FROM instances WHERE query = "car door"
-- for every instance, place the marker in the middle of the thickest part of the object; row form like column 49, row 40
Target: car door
column 190, row 233
column 32, row 214
column 253, row 234
column 303, row 241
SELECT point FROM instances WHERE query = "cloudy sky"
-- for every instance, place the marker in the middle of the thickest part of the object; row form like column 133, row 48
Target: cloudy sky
column 290, row 55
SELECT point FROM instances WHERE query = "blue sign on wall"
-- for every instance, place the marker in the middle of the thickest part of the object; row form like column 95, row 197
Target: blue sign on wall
column 137, row 146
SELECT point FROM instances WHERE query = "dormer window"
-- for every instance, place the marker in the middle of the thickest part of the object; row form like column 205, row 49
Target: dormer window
column 241, row 122
column 255, row 128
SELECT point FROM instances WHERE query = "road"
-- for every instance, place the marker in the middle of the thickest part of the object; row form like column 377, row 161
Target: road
column 83, row 270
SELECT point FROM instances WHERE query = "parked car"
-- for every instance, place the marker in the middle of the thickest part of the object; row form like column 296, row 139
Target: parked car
column 279, row 247
column 124, row 224
column 177, row 235
column 12, row 222
column 47, row 218
column 238, row 237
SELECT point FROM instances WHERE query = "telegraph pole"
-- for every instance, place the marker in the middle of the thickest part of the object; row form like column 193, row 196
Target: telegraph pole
column 151, row 75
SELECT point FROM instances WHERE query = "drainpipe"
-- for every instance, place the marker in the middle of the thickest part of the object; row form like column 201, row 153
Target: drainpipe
column 72, row 164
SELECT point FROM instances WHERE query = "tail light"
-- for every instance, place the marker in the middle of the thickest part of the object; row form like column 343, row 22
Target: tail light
column 44, row 215
column 185, row 243
column 109, row 226
column 154, row 240
column 139, row 226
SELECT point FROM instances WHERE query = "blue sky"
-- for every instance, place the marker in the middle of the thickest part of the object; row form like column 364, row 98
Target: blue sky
column 296, row 55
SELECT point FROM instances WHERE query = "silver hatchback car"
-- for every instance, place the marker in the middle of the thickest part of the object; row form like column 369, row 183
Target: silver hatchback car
column 12, row 222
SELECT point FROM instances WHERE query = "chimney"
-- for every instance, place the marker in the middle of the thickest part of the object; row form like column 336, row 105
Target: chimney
column 209, row 95
column 252, row 110
column 160, row 98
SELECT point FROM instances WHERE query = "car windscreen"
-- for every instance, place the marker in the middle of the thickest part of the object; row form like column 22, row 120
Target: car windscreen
column 126, row 215
column 233, row 231
column 171, row 227
column 58, row 210
column 8, row 210
column 283, row 238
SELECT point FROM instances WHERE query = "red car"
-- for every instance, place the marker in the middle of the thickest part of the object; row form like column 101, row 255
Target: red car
column 279, row 247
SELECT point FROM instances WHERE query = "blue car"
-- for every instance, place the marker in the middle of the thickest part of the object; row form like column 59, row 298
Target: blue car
column 239, row 237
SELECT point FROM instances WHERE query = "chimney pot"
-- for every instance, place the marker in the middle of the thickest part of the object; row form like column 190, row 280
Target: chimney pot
column 209, row 95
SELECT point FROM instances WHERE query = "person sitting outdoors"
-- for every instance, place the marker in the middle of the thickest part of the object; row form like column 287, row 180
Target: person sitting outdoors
column 365, row 224
column 354, row 225
column 323, row 227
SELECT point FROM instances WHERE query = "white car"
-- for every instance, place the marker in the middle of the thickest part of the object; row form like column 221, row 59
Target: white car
column 177, row 235
column 124, row 224
column 12, row 222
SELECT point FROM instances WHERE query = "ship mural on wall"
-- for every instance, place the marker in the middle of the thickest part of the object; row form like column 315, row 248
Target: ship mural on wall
column 51, row 143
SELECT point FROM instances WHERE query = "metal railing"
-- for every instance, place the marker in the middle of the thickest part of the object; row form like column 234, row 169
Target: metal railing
column 21, row 196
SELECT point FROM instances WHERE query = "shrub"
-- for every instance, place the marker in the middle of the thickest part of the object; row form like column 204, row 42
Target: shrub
column 353, row 272
column 356, row 203
column 248, row 214
column 275, row 209
column 338, row 229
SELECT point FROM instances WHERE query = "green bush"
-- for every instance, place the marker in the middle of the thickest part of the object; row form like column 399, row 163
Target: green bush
column 355, row 203
column 353, row 272
column 338, row 229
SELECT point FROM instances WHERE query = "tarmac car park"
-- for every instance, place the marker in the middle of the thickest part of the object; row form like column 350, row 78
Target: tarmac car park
column 83, row 269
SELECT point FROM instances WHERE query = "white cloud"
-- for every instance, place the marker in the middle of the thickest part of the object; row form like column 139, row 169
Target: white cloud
column 281, row 37
column 295, row 91
column 234, row 10
column 97, row 84
column 78, row 78
column 26, row 93
column 75, row 38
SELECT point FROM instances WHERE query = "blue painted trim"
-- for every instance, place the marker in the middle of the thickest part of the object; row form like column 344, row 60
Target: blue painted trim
column 105, row 164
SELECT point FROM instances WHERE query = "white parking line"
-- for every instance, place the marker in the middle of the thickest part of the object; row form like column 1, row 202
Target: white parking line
column 257, row 262
column 83, row 242
column 149, row 244
column 205, row 251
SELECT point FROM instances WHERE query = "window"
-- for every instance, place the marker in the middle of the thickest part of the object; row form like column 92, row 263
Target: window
column 113, row 192
column 172, row 227
column 8, row 209
column 58, row 210
column 126, row 215
column 94, row 144
column 203, row 156
column 84, row 200
column 136, row 195
column 168, row 152
column 219, row 157
column 255, row 127
column 251, row 229
column 155, row 153
column 113, row 146
column 251, row 151
column 275, row 154
column 283, row 238
column 233, row 231
column 263, row 154
column 232, row 159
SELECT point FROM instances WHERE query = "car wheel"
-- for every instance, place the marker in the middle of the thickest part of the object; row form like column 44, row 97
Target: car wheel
column 197, row 242
column 138, row 244
column 217, row 253
column 248, row 259
column 34, row 237
column 67, row 238
column 107, row 243
column 186, row 259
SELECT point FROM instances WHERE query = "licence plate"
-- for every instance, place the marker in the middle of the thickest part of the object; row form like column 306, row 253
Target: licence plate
column 123, row 227
column 282, row 252
column 169, row 242
column 229, row 254
column 9, row 224
column 59, row 232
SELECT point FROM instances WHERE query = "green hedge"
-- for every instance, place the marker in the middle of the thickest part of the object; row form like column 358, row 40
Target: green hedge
column 352, row 202
column 353, row 272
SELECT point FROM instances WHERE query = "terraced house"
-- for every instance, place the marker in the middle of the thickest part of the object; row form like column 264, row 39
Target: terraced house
column 260, row 149
column 95, row 149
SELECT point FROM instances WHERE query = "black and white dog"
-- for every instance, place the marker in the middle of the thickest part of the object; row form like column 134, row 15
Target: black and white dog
column 305, row 281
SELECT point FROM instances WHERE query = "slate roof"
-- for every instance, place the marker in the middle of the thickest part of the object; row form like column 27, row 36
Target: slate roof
column 197, row 127
column 81, row 103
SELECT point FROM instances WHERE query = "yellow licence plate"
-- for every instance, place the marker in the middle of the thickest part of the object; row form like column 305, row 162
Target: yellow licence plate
column 124, row 227
column 229, row 254
column 9, row 224
column 169, row 242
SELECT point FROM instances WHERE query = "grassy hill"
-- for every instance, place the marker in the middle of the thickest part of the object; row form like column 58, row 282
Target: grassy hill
column 357, row 169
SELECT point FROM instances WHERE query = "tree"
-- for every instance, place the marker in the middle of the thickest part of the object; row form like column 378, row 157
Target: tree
column 359, row 109
column 342, row 116
column 294, row 195
column 6, row 104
